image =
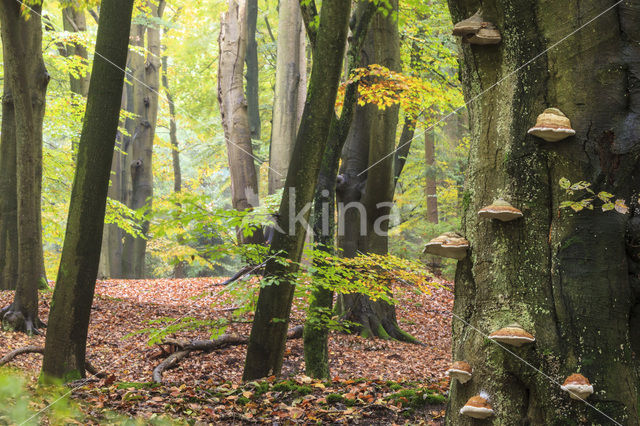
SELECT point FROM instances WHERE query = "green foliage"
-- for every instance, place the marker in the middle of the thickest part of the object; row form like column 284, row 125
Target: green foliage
column 161, row 328
column 417, row 398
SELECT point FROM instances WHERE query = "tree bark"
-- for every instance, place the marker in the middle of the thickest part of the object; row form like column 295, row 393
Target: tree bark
column 28, row 79
column 65, row 347
column 251, row 60
column 430, row 188
column 268, row 334
column 74, row 20
column 570, row 279
column 233, row 108
column 286, row 105
column 147, row 72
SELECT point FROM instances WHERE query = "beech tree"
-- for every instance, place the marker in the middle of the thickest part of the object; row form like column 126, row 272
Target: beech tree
column 65, row 347
column 25, row 86
column 269, row 331
column 568, row 278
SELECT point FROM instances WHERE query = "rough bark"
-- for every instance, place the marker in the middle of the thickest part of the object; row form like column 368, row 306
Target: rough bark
column 251, row 60
column 316, row 334
column 65, row 346
column 268, row 334
column 27, row 78
column 430, row 188
column 233, row 108
column 145, row 98
column 570, row 279
column 286, row 105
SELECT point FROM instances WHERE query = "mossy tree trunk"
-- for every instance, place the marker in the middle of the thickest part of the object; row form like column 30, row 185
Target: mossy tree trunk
column 268, row 334
column 571, row 279
column 65, row 347
column 27, row 80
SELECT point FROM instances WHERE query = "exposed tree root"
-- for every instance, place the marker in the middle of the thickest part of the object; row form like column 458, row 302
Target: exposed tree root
column 186, row 347
column 40, row 350
column 15, row 319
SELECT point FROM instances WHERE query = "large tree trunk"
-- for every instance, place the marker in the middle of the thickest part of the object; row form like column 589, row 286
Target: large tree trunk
column 286, row 105
column 233, row 108
column 570, row 279
column 251, row 59
column 430, row 188
column 28, row 79
column 8, row 194
column 65, row 348
column 268, row 334
column 147, row 73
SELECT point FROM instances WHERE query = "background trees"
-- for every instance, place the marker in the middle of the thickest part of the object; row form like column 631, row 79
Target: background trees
column 567, row 277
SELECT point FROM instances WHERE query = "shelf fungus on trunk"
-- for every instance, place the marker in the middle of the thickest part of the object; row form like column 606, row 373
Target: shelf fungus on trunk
column 577, row 386
column 477, row 407
column 513, row 335
column 500, row 210
column 475, row 30
column 449, row 244
column 552, row 126
column 461, row 371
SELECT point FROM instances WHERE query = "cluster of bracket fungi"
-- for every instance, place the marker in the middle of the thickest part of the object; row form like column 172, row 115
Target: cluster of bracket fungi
column 552, row 126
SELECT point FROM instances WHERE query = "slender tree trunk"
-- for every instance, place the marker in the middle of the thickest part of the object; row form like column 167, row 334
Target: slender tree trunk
column 316, row 332
column 8, row 194
column 570, row 279
column 430, row 188
column 65, row 348
column 268, row 334
column 286, row 103
column 233, row 108
column 251, row 59
column 28, row 79
column 74, row 20
column 147, row 71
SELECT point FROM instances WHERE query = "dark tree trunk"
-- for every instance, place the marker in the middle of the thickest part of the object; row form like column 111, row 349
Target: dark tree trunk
column 251, row 59
column 268, row 334
column 430, row 188
column 27, row 78
column 316, row 332
column 570, row 279
column 65, row 348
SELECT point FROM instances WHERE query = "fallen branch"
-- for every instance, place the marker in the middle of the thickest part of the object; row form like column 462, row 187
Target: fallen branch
column 40, row 350
column 247, row 270
column 186, row 347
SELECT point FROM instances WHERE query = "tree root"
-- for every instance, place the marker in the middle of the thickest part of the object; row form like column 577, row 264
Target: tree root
column 40, row 350
column 17, row 320
column 186, row 347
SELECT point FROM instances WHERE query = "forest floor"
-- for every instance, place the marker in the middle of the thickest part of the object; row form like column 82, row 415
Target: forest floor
column 374, row 381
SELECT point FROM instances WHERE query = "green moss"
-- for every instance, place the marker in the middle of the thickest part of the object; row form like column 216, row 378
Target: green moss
column 290, row 386
column 395, row 386
column 334, row 398
column 417, row 398
column 137, row 385
column 243, row 400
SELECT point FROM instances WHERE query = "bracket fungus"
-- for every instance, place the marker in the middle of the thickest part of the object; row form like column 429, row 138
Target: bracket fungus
column 552, row 126
column 449, row 244
column 461, row 371
column 500, row 210
column 578, row 386
column 513, row 335
column 477, row 407
column 475, row 30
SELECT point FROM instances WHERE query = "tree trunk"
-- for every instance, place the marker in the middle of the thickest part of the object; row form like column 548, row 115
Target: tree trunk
column 251, row 59
column 233, row 108
column 74, row 21
column 8, row 194
column 286, row 105
column 268, row 334
column 28, row 79
column 65, row 348
column 430, row 188
column 147, row 72
column 316, row 332
column 570, row 279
